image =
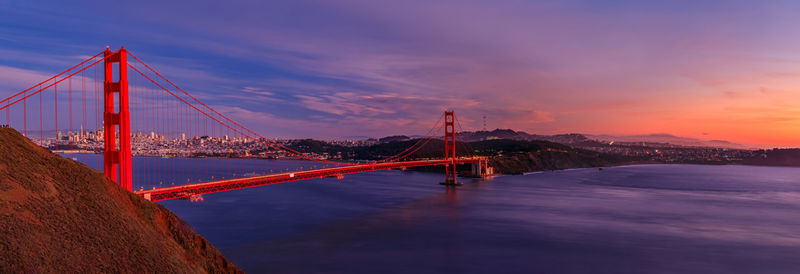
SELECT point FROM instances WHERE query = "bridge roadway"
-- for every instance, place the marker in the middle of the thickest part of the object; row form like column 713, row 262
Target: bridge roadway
column 188, row 190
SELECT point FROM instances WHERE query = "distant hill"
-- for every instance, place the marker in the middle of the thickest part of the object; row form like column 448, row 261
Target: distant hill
column 394, row 139
column 517, row 157
column 669, row 139
column 59, row 216
column 581, row 139
column 506, row 156
column 354, row 137
column 473, row 136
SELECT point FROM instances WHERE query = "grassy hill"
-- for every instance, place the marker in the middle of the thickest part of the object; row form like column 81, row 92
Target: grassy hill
column 57, row 215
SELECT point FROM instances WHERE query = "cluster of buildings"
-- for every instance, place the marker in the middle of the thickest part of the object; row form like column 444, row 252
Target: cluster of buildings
column 153, row 144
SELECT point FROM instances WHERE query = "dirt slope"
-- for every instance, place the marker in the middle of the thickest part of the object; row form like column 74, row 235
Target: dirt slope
column 57, row 215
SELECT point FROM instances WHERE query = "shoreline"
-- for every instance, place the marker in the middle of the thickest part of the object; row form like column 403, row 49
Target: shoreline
column 73, row 152
column 649, row 164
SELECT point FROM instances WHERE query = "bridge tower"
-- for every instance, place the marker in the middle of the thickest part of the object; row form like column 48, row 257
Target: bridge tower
column 116, row 119
column 450, row 149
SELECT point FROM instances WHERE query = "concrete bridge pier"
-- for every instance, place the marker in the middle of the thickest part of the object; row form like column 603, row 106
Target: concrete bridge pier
column 477, row 169
column 481, row 169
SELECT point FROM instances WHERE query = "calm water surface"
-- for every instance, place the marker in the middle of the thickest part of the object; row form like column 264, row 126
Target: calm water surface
column 630, row 219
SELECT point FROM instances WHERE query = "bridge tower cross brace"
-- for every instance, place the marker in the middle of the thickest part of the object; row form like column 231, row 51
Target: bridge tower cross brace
column 450, row 148
column 117, row 157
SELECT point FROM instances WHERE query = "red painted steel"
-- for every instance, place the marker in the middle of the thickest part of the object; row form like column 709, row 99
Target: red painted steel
column 450, row 148
column 189, row 190
column 11, row 103
column 281, row 147
column 51, row 78
column 117, row 161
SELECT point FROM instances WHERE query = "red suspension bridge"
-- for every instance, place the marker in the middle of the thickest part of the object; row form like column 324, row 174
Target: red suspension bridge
column 136, row 111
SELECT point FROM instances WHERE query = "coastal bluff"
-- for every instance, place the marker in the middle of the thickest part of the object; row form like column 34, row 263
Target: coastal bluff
column 58, row 215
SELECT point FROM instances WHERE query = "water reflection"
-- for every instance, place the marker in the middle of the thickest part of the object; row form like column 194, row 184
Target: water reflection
column 641, row 219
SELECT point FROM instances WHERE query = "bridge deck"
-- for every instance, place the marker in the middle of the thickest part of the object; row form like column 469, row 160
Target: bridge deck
column 185, row 191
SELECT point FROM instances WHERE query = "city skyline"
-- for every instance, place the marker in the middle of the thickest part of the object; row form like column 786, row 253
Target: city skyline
column 717, row 70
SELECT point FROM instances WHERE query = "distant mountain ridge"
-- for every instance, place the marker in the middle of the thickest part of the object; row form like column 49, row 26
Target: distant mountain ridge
column 396, row 138
column 577, row 139
column 473, row 136
column 670, row 139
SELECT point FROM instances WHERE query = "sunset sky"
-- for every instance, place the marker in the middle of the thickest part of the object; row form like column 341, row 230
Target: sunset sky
column 327, row 69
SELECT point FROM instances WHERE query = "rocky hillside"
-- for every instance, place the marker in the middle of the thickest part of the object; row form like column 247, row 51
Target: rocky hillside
column 518, row 163
column 57, row 215
column 517, row 157
column 775, row 157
